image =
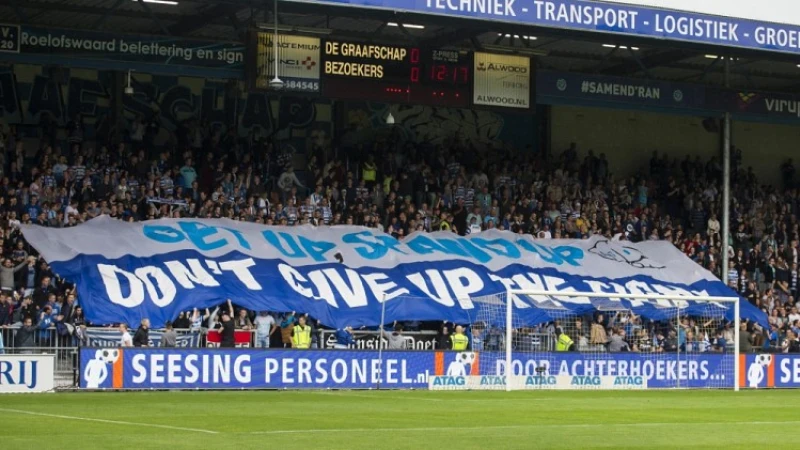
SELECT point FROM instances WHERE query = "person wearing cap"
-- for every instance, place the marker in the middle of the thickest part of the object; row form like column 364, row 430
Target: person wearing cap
column 301, row 334
column 344, row 338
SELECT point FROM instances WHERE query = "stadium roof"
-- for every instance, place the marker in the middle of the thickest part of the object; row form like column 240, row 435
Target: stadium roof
column 228, row 20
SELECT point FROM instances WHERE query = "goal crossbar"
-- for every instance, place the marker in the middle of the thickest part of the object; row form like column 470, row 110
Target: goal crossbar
column 631, row 296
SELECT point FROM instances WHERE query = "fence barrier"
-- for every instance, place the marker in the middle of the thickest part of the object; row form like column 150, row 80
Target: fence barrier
column 50, row 338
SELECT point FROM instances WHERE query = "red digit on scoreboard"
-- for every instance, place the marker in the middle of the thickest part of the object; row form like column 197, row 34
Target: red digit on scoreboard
column 441, row 72
column 414, row 56
column 415, row 74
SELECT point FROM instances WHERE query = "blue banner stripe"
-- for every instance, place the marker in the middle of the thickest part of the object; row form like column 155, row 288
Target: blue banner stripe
column 315, row 369
column 605, row 18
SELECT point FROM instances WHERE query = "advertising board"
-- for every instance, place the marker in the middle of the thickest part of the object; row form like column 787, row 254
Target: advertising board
column 158, row 368
column 21, row 374
column 757, row 31
column 298, row 62
column 502, row 80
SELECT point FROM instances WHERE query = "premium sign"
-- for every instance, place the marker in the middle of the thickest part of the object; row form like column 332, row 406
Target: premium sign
column 502, row 80
column 26, row 373
column 298, row 62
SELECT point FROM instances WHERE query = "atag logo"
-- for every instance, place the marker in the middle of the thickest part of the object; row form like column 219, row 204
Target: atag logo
column 540, row 380
column 449, row 381
column 628, row 381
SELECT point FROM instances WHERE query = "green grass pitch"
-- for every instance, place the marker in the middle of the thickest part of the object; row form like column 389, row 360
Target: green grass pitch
column 400, row 419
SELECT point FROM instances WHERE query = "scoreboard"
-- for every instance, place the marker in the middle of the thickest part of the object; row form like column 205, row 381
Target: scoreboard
column 383, row 73
column 396, row 74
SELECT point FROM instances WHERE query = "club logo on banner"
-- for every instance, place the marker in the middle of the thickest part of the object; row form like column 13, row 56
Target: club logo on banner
column 102, row 368
column 502, row 80
column 298, row 62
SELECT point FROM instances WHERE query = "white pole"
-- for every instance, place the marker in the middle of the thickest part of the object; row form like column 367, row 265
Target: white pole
column 736, row 361
column 380, row 341
column 678, row 335
column 509, row 372
column 275, row 41
column 726, row 181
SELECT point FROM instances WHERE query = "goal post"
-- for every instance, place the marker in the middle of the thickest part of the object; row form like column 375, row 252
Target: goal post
column 611, row 302
column 540, row 339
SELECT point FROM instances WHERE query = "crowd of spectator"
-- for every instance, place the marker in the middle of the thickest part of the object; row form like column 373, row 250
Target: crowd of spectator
column 396, row 186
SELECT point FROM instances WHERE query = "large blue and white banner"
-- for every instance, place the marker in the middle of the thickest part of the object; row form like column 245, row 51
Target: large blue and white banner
column 599, row 16
column 345, row 369
column 341, row 275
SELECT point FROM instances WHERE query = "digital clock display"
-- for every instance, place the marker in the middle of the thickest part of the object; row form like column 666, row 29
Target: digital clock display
column 396, row 74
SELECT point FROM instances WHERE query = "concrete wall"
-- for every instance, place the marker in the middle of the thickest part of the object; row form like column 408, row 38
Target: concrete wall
column 629, row 137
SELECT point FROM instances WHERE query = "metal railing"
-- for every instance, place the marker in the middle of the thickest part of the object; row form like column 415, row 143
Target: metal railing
column 370, row 340
column 14, row 337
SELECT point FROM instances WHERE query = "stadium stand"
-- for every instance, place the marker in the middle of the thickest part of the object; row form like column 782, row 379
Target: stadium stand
column 398, row 188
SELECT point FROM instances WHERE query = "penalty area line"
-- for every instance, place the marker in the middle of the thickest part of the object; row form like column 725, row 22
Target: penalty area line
column 517, row 427
column 114, row 422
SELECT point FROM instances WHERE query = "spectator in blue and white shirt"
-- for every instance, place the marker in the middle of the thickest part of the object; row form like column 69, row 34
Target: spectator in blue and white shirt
column 344, row 338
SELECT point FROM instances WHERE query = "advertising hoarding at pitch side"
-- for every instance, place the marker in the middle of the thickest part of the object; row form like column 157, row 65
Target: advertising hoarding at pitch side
column 20, row 374
column 156, row 368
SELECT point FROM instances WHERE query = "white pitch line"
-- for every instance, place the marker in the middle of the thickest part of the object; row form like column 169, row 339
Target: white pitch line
column 379, row 396
column 513, row 427
column 115, row 422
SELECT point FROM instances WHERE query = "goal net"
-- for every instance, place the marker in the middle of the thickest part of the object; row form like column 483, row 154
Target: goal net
column 598, row 341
